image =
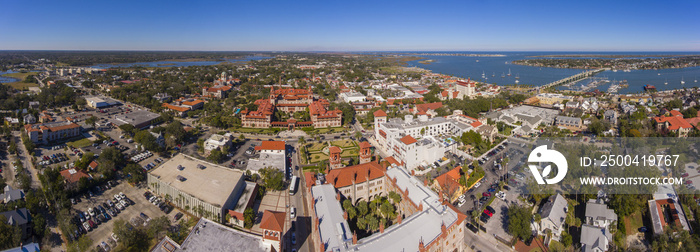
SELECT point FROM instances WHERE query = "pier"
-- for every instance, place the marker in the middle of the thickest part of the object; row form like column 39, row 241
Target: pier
column 573, row 78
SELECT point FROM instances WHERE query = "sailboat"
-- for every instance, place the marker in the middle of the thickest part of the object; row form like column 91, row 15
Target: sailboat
column 696, row 79
column 517, row 76
column 508, row 71
column 666, row 82
column 682, row 81
column 503, row 75
column 483, row 74
column 494, row 74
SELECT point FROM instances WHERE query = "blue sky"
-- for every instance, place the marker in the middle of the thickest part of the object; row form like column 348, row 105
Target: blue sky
column 480, row 25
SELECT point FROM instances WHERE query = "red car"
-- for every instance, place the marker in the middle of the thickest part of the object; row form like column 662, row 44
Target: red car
column 487, row 212
column 486, row 194
column 689, row 182
column 685, row 175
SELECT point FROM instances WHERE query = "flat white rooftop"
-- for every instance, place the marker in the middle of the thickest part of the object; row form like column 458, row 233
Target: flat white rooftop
column 213, row 184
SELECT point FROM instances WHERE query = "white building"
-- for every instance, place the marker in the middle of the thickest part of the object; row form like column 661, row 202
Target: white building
column 553, row 215
column 217, row 141
column 351, row 97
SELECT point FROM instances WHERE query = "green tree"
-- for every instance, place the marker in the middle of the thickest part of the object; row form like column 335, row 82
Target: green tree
column 158, row 226
column 84, row 243
column 272, row 178
column 519, row 222
column 10, row 236
column 135, row 173
column 248, row 217
column 91, row 121
column 148, row 141
column 215, row 156
column 395, row 197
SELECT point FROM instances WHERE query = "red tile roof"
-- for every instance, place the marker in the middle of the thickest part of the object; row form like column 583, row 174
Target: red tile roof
column 334, row 149
column 273, row 220
column 176, row 108
column 271, row 145
column 73, row 175
column 379, row 113
column 428, row 106
column 359, row 173
column 675, row 122
column 93, row 165
column 392, row 160
column 676, row 113
column 365, row 144
column 408, row 139
column 449, row 181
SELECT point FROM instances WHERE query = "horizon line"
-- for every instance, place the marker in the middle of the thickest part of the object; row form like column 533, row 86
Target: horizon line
column 324, row 51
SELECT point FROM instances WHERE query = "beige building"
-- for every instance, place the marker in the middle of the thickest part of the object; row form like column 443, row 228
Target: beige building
column 552, row 98
column 359, row 182
column 199, row 187
column 52, row 131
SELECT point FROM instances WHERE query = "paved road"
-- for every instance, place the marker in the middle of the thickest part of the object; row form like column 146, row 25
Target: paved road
column 303, row 223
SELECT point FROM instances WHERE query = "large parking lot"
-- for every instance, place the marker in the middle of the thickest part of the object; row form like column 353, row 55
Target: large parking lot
column 102, row 233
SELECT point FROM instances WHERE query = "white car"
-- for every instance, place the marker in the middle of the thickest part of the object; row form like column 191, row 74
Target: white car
column 121, row 195
column 477, row 184
column 461, row 202
column 116, row 197
column 119, row 205
column 91, row 212
column 293, row 212
column 501, row 195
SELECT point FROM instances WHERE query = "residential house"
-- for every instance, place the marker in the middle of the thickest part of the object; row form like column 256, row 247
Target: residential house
column 29, row 119
column 19, row 218
column 598, row 214
column 567, row 122
column 610, row 115
column 595, row 239
column 553, row 215
column 10, row 195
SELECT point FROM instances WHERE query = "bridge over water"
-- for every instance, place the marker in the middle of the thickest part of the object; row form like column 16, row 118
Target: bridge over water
column 573, row 78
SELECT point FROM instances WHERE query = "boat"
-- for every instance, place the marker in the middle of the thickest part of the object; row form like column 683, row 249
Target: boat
column 477, row 61
column 666, row 82
column 503, row 75
column 508, row 71
column 658, row 73
column 682, row 81
column 517, row 76
column 696, row 79
column 517, row 81
column 614, row 70
column 494, row 74
column 483, row 74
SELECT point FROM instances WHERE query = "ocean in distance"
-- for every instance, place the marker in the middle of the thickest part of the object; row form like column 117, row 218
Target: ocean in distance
column 495, row 70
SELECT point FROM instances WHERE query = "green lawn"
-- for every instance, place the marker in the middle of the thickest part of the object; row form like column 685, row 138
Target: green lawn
column 253, row 130
column 316, row 147
column 349, row 153
column 332, row 130
column 80, row 143
column 633, row 222
column 344, row 143
column 317, row 157
column 19, row 85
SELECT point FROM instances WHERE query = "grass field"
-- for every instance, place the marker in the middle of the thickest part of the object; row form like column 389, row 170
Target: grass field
column 20, row 84
column 80, row 143
column 344, row 143
column 317, row 157
column 633, row 223
column 316, row 147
